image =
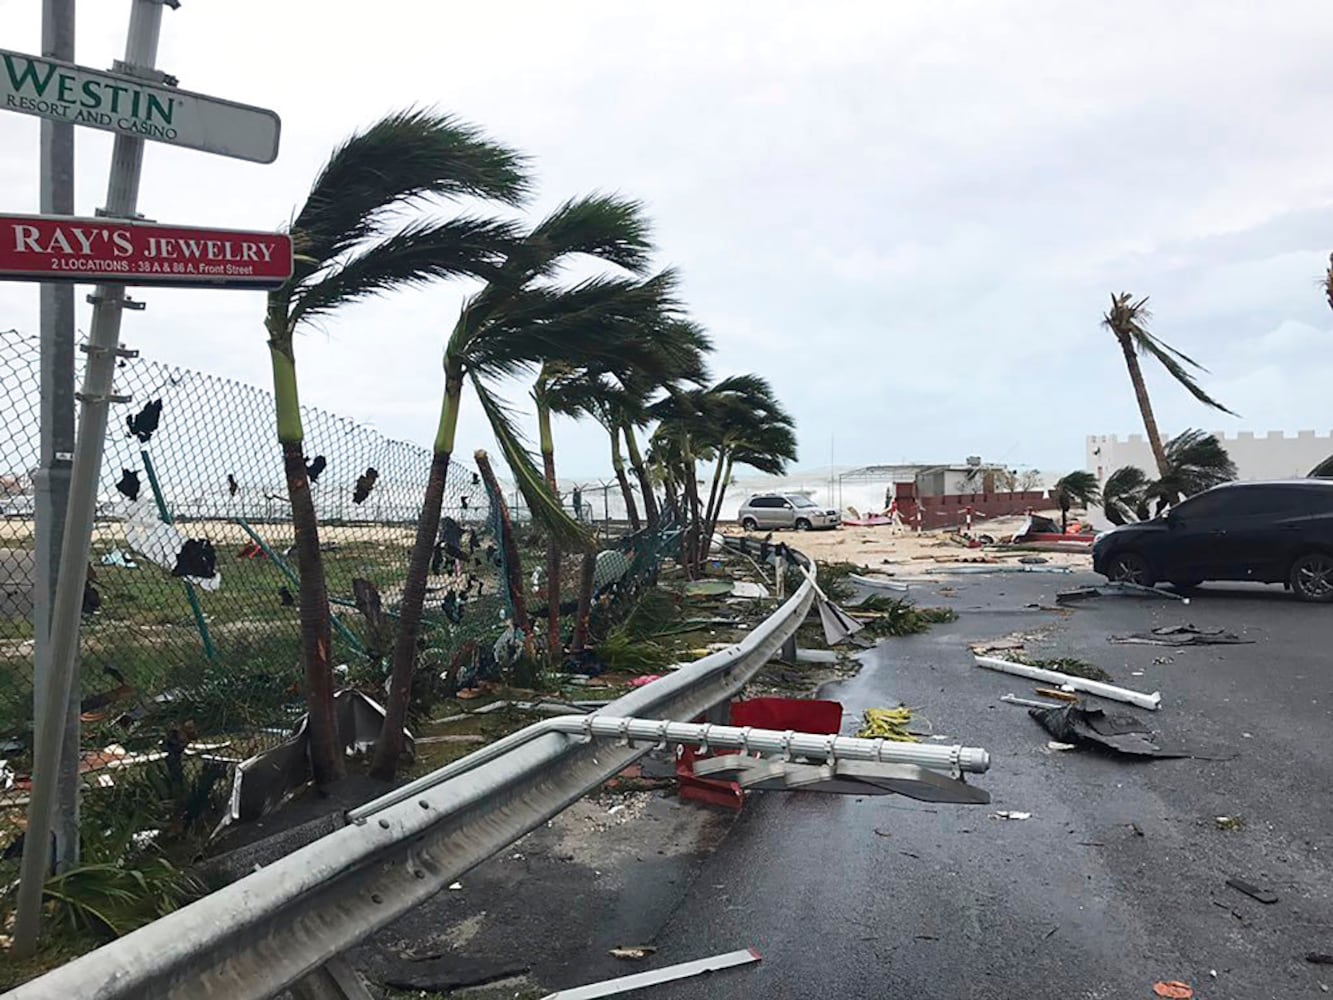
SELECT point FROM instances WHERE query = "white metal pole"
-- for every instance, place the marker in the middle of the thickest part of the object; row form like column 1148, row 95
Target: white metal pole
column 56, row 434
column 103, row 344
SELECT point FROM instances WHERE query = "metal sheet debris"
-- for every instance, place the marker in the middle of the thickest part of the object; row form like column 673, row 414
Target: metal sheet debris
column 654, row 977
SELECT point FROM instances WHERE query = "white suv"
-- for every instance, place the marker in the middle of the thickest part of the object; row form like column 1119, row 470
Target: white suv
column 785, row 510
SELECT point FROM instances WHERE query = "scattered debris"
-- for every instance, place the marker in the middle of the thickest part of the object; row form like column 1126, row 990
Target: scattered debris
column 1253, row 891
column 887, row 724
column 1058, row 695
column 364, row 484
column 315, row 468
column 667, row 974
column 1010, row 814
column 128, row 485
column 748, row 589
column 1173, row 990
column 117, row 557
column 285, row 597
column 633, row 952
column 1229, row 823
column 1136, row 829
column 1148, row 701
column 196, row 558
column 1116, row 590
column 455, row 886
column 1318, row 958
column 1011, row 699
column 1057, row 745
column 144, row 423
column 1182, row 635
column 876, row 582
column 233, row 487
column 1120, row 732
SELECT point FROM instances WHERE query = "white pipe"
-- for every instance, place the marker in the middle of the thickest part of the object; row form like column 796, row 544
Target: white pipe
column 1149, row 701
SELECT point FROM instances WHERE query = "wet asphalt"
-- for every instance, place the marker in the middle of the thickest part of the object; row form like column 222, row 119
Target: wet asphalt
column 1118, row 879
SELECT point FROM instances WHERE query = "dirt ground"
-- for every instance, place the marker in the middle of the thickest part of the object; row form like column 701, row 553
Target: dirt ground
column 904, row 553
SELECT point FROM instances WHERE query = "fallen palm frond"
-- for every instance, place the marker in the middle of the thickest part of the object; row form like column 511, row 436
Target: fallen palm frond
column 887, row 724
column 108, row 900
column 891, row 616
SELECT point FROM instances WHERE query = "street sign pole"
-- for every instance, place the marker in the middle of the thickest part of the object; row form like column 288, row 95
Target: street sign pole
column 51, row 482
column 104, row 343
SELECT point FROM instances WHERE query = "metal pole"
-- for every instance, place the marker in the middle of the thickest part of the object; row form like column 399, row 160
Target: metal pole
column 56, row 395
column 200, row 623
column 103, row 344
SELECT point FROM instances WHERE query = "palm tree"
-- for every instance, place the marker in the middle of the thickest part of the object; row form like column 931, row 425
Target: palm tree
column 516, row 321
column 1126, row 319
column 1075, row 489
column 348, row 244
column 1328, row 282
column 749, row 427
column 1125, row 495
column 1196, row 461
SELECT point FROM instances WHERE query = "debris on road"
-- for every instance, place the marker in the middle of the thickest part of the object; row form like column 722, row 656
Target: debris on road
column 1010, row 814
column 1229, row 823
column 887, row 724
column 1173, row 990
column 667, row 974
column 1253, row 891
column 633, row 952
column 1149, row 701
column 1057, row 745
column 1182, row 635
column 1116, row 590
column 876, row 582
column 1318, row 958
column 1011, row 699
column 1120, row 732
column 1059, row 695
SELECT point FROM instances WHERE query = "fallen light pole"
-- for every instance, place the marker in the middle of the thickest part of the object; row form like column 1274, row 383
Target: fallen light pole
column 822, row 746
column 1149, row 701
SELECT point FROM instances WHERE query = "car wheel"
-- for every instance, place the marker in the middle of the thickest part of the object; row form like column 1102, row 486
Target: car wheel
column 802, row 524
column 1129, row 567
column 750, row 524
column 1312, row 577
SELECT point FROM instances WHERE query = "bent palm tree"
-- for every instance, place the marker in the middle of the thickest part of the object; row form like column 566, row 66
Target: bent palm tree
column 1076, row 488
column 1126, row 319
column 346, row 247
column 1125, row 495
column 515, row 322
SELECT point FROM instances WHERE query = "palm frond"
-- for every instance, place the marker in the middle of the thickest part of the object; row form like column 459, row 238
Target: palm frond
column 604, row 226
column 1127, row 319
column 1076, row 489
column 401, row 159
column 418, row 253
column 545, row 510
column 1125, row 495
column 1196, row 461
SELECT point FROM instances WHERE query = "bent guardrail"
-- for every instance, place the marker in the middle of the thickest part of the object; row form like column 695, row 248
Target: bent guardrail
column 265, row 932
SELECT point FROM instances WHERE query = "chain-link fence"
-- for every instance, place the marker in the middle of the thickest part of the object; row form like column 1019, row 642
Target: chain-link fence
column 190, row 617
column 190, row 635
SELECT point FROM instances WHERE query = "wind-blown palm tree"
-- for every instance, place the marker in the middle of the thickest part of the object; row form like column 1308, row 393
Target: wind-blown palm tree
column 1126, row 319
column 1196, row 461
column 1075, row 488
column 349, row 242
column 520, row 320
column 1125, row 495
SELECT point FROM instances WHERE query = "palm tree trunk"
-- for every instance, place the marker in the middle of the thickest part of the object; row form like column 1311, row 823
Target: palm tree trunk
column 589, row 568
column 618, row 464
column 513, row 564
column 389, row 746
column 1145, row 405
column 715, row 511
column 714, row 500
column 554, row 650
column 650, row 508
column 690, row 474
column 326, row 760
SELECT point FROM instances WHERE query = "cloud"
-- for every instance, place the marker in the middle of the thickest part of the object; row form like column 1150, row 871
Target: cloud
column 909, row 218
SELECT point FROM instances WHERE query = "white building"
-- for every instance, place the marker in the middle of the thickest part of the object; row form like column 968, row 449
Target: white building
column 1273, row 455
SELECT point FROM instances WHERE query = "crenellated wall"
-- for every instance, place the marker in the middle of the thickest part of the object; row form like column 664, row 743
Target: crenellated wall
column 1271, row 455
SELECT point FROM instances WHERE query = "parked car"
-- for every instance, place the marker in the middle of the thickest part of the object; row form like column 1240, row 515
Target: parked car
column 1269, row 532
column 785, row 510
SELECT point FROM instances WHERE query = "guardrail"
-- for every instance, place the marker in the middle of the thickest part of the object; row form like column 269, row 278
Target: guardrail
column 274, row 928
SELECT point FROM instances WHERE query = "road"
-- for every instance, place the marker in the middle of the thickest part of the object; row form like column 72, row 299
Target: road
column 1118, row 879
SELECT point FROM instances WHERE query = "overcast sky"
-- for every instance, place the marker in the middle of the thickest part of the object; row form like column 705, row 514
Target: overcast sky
column 908, row 216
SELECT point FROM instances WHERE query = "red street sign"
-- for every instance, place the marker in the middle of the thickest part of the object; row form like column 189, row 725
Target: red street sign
column 62, row 248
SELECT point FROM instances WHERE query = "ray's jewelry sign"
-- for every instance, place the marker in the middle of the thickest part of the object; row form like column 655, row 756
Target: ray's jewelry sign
column 117, row 102
column 60, row 248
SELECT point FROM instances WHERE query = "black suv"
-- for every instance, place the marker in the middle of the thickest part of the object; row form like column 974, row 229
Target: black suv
column 1277, row 532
